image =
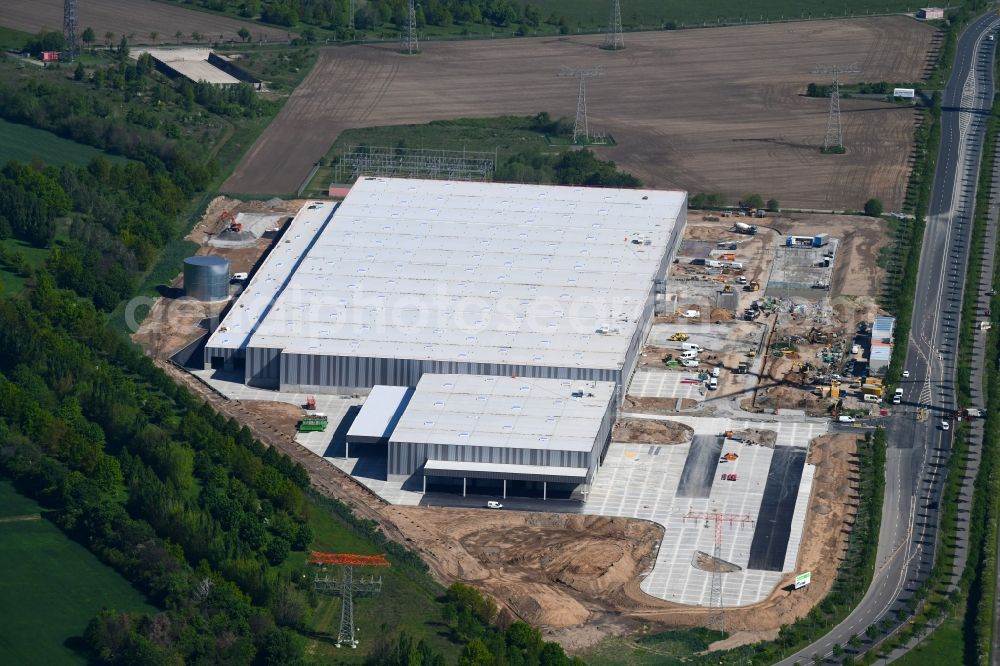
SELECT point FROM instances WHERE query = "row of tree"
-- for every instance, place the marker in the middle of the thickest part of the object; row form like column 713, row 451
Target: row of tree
column 184, row 503
column 333, row 14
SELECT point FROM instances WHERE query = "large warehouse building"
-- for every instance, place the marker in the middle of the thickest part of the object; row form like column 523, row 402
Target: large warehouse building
column 407, row 277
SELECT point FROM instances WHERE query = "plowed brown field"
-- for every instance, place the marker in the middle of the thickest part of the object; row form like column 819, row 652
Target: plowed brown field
column 717, row 109
column 131, row 17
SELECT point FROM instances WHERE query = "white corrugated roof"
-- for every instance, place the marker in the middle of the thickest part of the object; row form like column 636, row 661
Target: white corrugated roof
column 510, row 412
column 459, row 271
column 379, row 413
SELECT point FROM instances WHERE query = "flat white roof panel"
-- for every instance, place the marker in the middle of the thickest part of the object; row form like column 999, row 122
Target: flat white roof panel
column 379, row 414
column 509, row 412
column 460, row 271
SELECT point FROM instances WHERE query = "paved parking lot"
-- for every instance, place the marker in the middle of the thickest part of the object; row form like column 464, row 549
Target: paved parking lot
column 665, row 384
column 641, row 481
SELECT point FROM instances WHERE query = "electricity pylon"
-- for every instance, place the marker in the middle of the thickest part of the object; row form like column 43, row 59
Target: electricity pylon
column 718, row 612
column 581, row 128
column 346, row 587
column 69, row 27
column 834, row 137
column 614, row 40
column 410, row 45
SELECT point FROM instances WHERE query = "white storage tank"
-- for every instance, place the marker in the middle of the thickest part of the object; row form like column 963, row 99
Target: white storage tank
column 206, row 278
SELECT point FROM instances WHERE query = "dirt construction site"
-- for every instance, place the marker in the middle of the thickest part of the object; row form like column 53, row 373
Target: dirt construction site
column 638, row 552
column 708, row 110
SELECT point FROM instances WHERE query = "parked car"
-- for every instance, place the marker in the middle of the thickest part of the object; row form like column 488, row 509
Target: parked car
column 845, row 419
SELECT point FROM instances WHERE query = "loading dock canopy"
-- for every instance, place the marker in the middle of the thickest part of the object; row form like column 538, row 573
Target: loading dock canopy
column 379, row 414
column 459, row 469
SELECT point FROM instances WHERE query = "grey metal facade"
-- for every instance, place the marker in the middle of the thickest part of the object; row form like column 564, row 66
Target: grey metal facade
column 314, row 371
column 206, row 278
column 408, row 458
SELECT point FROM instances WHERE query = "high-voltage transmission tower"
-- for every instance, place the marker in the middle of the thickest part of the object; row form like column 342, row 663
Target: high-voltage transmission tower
column 410, row 45
column 614, row 40
column 346, row 586
column 69, row 27
column 581, row 128
column 717, row 616
column 833, row 140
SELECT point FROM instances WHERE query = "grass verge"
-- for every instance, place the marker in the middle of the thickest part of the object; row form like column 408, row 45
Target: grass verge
column 25, row 144
column 50, row 588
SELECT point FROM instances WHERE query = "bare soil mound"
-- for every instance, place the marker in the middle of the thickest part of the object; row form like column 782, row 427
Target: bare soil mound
column 644, row 431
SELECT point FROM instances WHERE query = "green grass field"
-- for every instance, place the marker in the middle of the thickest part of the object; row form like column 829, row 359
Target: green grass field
column 651, row 13
column 945, row 646
column 506, row 135
column 12, row 39
column 50, row 588
column 23, row 143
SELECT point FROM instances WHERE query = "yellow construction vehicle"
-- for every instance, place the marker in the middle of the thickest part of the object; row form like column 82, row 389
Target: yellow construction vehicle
column 679, row 337
column 753, row 286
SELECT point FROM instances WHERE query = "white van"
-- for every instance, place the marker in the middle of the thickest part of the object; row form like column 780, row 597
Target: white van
column 494, row 505
column 690, row 363
column 690, row 346
column 689, row 354
column 238, row 277
column 713, row 383
column 845, row 419
column 871, row 398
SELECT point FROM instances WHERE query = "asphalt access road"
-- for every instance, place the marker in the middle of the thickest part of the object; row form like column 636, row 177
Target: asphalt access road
column 918, row 450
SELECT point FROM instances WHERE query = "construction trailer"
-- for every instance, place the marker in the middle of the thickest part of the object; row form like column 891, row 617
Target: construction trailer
column 818, row 240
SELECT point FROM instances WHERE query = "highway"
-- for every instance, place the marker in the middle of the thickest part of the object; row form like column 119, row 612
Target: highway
column 918, row 449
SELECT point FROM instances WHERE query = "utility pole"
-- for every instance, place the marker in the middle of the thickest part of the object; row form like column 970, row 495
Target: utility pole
column 614, row 41
column 69, row 27
column 350, row 14
column 581, row 127
column 833, row 140
column 346, row 587
column 410, row 45
column 718, row 612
